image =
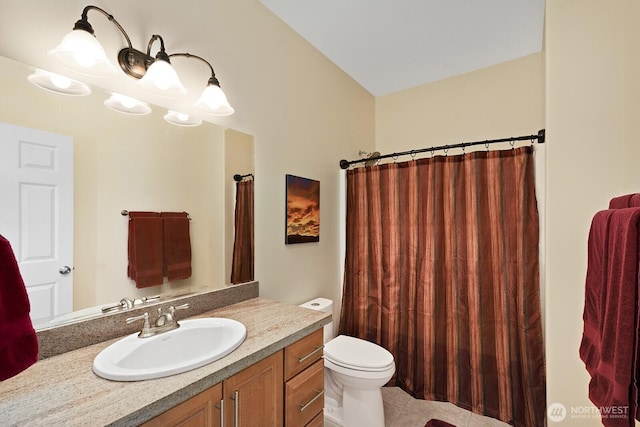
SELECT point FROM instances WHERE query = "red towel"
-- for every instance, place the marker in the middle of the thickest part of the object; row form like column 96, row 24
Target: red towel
column 18, row 340
column 145, row 249
column 621, row 202
column 626, row 201
column 177, row 245
column 437, row 423
column 609, row 340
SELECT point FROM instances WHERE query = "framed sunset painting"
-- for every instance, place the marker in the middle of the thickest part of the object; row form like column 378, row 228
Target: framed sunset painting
column 303, row 210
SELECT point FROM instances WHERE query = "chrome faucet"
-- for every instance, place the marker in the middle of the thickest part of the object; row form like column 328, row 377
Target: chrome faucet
column 123, row 303
column 165, row 321
column 129, row 303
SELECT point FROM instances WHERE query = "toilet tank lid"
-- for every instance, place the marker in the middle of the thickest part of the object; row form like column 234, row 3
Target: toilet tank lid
column 351, row 351
column 319, row 304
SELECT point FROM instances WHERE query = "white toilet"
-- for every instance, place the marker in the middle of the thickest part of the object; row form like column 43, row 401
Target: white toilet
column 354, row 372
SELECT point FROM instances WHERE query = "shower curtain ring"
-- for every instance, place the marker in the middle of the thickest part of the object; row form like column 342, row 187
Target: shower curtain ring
column 446, row 150
column 413, row 154
column 512, row 143
column 486, row 144
column 395, row 157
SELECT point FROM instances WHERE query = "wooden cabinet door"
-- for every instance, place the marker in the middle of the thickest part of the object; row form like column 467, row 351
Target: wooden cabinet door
column 255, row 395
column 202, row 410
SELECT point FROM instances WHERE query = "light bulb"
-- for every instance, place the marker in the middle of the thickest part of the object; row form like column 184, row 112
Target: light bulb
column 126, row 104
column 61, row 82
column 162, row 79
column 214, row 101
column 181, row 119
column 80, row 51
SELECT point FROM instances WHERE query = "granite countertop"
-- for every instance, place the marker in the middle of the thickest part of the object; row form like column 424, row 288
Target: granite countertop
column 63, row 390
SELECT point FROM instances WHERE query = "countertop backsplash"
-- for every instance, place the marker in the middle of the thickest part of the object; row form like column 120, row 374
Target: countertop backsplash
column 72, row 336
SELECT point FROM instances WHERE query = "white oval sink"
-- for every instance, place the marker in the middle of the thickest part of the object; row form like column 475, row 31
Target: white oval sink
column 195, row 343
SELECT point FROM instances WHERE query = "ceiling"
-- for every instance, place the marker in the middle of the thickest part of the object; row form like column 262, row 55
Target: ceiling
column 388, row 46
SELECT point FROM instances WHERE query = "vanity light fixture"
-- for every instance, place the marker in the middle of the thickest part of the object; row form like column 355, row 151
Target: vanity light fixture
column 81, row 51
column 57, row 83
column 126, row 104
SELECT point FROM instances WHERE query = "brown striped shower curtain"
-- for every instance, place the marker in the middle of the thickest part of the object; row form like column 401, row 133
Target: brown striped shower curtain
column 243, row 244
column 441, row 269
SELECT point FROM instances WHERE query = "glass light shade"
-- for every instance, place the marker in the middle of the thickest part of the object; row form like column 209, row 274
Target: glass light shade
column 162, row 79
column 126, row 104
column 57, row 83
column 214, row 101
column 181, row 119
column 82, row 52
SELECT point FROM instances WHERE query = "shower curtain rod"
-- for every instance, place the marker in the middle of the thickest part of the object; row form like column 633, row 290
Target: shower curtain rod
column 344, row 164
column 237, row 177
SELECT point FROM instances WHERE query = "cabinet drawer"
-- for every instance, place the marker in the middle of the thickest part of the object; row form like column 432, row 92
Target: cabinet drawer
column 318, row 421
column 302, row 353
column 304, row 395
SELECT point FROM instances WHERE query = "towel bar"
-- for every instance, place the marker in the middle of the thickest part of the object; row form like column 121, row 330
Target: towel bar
column 125, row 212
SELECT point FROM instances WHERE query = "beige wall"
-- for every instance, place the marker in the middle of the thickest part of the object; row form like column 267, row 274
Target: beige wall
column 306, row 115
column 494, row 102
column 591, row 113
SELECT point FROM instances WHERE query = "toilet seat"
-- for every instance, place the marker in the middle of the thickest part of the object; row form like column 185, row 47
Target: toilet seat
column 357, row 354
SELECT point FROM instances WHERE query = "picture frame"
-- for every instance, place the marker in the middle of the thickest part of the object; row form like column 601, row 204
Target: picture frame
column 302, row 216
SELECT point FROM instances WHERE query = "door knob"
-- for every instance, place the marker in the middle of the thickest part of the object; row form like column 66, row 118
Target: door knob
column 65, row 270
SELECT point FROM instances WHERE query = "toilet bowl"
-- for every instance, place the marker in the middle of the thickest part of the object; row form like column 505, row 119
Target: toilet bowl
column 354, row 372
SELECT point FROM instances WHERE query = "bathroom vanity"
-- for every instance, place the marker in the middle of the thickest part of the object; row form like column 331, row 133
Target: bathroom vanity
column 299, row 368
column 277, row 368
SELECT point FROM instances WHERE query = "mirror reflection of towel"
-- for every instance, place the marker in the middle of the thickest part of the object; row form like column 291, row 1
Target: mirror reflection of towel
column 159, row 245
column 177, row 245
column 145, row 249
column 18, row 340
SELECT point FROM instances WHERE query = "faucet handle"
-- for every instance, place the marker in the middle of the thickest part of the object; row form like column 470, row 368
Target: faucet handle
column 143, row 316
column 173, row 309
column 127, row 302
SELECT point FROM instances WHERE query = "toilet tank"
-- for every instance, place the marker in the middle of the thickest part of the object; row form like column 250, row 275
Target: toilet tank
column 326, row 306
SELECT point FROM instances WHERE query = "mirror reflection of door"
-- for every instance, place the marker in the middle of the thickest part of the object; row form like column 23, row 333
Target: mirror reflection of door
column 36, row 215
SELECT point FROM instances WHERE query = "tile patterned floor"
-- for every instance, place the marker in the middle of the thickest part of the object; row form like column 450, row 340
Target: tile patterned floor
column 401, row 410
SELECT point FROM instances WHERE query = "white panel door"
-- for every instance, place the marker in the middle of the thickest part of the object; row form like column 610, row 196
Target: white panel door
column 36, row 215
